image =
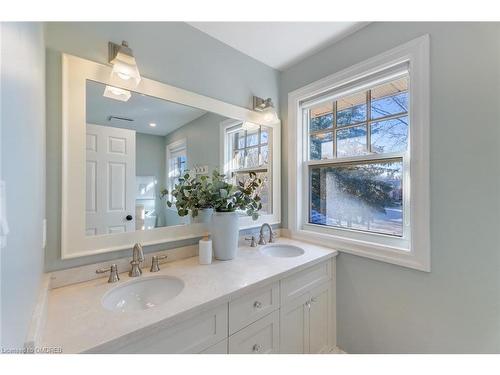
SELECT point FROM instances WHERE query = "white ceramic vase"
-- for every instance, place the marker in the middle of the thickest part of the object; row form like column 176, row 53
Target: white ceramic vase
column 204, row 216
column 225, row 233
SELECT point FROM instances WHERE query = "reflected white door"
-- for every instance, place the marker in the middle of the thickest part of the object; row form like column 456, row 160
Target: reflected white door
column 110, row 180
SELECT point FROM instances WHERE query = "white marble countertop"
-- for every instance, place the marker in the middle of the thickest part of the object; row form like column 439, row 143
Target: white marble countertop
column 77, row 322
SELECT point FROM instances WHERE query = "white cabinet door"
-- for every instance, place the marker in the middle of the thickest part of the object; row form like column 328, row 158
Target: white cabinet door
column 320, row 320
column 294, row 326
column 110, row 180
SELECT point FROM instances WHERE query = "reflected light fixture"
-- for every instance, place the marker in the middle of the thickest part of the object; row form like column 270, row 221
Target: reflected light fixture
column 266, row 107
column 123, row 60
column 152, row 124
column 116, row 93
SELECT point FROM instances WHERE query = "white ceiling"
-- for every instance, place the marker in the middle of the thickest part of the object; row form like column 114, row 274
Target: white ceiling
column 143, row 109
column 278, row 44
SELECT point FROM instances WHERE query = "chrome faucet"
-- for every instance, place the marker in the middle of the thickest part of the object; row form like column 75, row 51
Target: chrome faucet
column 272, row 235
column 137, row 259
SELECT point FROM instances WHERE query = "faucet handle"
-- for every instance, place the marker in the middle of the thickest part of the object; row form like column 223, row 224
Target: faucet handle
column 155, row 262
column 253, row 241
column 113, row 273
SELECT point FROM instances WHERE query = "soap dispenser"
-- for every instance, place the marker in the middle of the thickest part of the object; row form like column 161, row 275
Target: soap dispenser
column 205, row 250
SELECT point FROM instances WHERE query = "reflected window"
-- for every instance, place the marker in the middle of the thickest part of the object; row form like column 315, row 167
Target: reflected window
column 248, row 150
column 176, row 163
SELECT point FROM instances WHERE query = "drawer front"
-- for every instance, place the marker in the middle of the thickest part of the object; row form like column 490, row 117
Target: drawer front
column 261, row 337
column 191, row 336
column 295, row 285
column 253, row 306
column 219, row 348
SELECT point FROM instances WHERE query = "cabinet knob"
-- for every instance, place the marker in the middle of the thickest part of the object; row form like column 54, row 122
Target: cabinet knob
column 257, row 348
column 257, row 304
column 308, row 304
column 129, row 217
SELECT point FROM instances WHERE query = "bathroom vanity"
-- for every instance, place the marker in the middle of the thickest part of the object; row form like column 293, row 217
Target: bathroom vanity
column 256, row 303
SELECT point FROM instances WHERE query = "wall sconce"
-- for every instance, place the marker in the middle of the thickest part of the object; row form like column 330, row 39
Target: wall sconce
column 124, row 65
column 266, row 107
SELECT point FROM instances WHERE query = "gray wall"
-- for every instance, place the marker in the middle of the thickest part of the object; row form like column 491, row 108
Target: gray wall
column 150, row 161
column 384, row 308
column 174, row 53
column 202, row 140
column 23, row 170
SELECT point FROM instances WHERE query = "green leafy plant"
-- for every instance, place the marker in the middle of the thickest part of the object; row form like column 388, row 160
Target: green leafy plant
column 192, row 194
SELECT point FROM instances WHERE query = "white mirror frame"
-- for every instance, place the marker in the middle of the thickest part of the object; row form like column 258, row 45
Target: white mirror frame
column 74, row 243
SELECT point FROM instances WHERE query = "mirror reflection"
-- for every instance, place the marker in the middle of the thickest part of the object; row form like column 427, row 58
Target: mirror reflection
column 137, row 146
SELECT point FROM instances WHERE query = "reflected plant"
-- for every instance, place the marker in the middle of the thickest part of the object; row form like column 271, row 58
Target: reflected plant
column 192, row 194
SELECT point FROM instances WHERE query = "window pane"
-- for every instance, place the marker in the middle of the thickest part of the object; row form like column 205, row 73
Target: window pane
column 264, row 155
column 351, row 141
column 389, row 99
column 239, row 139
column 182, row 164
column 366, row 197
column 321, row 146
column 264, row 136
column 252, row 157
column 264, row 191
column 253, row 138
column 390, row 135
column 238, row 159
column 351, row 109
column 321, row 117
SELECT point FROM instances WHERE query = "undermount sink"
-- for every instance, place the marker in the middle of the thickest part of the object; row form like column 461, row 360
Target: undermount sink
column 142, row 294
column 282, row 251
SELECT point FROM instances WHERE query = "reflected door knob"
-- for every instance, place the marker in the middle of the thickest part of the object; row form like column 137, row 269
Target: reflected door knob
column 129, row 217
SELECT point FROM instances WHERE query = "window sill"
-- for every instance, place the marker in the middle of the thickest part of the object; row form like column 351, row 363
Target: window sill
column 375, row 251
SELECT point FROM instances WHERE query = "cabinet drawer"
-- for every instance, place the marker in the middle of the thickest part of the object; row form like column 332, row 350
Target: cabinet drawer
column 295, row 285
column 253, row 306
column 191, row 336
column 219, row 348
column 261, row 337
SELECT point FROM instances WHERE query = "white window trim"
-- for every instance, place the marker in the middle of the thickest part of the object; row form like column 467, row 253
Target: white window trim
column 417, row 256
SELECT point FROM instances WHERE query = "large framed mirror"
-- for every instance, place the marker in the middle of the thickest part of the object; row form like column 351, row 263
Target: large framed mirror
column 125, row 147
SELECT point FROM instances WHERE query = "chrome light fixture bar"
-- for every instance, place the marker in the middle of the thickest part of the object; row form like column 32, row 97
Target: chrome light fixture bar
column 123, row 60
column 266, row 107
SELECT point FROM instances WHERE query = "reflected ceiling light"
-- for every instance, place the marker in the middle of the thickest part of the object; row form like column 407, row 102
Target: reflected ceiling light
column 124, row 65
column 116, row 93
column 266, row 107
column 152, row 124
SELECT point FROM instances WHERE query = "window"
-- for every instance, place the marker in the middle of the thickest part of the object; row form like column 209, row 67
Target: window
column 176, row 163
column 359, row 155
column 365, row 194
column 248, row 150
